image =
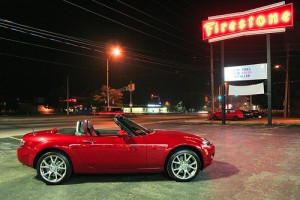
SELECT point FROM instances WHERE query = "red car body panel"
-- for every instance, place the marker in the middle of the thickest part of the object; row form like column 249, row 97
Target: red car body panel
column 110, row 153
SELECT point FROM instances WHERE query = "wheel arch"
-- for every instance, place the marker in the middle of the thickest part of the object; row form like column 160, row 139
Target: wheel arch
column 184, row 147
column 41, row 153
column 235, row 118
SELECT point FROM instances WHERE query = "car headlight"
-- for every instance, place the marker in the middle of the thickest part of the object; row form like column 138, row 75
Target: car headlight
column 22, row 142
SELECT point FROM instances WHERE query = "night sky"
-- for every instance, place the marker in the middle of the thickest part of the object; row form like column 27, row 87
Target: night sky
column 44, row 41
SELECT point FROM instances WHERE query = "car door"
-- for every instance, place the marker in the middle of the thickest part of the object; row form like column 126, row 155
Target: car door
column 229, row 114
column 111, row 152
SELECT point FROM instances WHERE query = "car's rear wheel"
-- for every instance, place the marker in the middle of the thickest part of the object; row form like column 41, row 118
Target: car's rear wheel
column 215, row 117
column 54, row 168
column 183, row 165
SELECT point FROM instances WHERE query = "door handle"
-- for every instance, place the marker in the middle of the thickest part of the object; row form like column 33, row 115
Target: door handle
column 89, row 141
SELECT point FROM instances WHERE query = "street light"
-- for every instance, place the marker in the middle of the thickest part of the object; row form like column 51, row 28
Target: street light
column 116, row 51
column 286, row 104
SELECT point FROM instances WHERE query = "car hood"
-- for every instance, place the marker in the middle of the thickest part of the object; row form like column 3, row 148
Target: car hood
column 178, row 134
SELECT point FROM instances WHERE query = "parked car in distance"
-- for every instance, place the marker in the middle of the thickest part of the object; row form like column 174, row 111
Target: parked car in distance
column 247, row 114
column 256, row 113
column 58, row 153
column 230, row 114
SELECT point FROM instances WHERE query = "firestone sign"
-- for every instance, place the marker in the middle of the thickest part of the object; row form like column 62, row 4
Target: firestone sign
column 267, row 19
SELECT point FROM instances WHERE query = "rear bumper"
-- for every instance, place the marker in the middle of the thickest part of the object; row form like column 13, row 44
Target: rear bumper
column 24, row 156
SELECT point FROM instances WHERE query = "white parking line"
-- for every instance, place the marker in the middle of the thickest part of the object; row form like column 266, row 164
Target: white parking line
column 14, row 138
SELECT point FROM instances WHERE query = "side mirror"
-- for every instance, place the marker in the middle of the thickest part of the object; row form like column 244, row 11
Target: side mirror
column 123, row 134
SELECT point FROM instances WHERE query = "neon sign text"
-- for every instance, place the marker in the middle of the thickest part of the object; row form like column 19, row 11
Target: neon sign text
column 273, row 18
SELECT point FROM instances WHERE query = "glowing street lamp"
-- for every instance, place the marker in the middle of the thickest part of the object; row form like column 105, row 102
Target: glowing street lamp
column 116, row 51
column 286, row 104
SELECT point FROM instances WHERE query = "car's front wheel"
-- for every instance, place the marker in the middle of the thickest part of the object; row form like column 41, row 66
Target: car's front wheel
column 183, row 165
column 54, row 168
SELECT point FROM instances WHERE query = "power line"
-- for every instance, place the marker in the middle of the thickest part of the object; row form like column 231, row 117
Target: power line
column 169, row 10
column 166, row 64
column 51, row 48
column 139, row 57
column 158, row 61
column 149, row 25
column 151, row 16
column 137, row 30
column 150, row 59
column 46, row 34
column 65, row 39
column 44, row 61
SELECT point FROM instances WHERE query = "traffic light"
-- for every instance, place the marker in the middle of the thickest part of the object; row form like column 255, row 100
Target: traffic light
column 206, row 99
column 130, row 87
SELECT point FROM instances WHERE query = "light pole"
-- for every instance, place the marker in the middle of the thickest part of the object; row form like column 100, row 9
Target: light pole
column 115, row 52
column 286, row 105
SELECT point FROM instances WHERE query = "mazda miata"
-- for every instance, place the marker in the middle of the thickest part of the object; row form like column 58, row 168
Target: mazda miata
column 59, row 152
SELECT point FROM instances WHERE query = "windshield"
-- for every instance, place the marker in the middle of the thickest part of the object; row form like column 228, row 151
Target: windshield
column 134, row 127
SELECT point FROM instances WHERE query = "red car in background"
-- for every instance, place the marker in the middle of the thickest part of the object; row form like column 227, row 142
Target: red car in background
column 230, row 114
column 59, row 152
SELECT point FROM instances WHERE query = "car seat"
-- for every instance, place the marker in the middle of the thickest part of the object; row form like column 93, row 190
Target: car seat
column 90, row 128
column 79, row 128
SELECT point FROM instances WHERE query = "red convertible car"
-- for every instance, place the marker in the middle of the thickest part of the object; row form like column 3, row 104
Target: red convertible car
column 58, row 153
column 230, row 114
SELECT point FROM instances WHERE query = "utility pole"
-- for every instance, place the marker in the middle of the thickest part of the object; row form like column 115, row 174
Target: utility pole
column 107, row 82
column 130, row 94
column 286, row 93
column 269, row 82
column 68, row 95
column 212, row 79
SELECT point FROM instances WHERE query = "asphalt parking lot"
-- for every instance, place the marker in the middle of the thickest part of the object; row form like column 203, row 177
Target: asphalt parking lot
column 251, row 162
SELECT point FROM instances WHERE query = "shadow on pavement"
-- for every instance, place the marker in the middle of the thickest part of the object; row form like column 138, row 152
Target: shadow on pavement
column 107, row 178
column 217, row 170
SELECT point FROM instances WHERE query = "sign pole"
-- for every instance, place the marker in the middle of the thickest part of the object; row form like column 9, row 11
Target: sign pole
column 223, row 84
column 212, row 79
column 269, row 83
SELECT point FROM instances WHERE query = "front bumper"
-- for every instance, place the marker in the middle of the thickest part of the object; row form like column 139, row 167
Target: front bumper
column 208, row 154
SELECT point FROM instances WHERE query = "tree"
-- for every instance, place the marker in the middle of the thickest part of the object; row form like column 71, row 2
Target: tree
column 115, row 96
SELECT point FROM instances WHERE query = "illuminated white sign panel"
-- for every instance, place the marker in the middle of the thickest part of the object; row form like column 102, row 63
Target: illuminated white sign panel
column 246, row 72
column 246, row 89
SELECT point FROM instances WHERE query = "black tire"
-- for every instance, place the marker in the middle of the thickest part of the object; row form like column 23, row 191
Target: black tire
column 215, row 117
column 53, row 168
column 235, row 118
column 183, row 165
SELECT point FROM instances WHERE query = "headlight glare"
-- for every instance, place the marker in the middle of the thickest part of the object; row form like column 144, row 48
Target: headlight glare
column 22, row 142
column 206, row 142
